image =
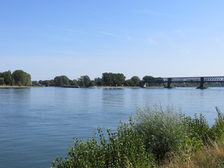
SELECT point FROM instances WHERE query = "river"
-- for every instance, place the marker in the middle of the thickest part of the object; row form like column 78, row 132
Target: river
column 38, row 124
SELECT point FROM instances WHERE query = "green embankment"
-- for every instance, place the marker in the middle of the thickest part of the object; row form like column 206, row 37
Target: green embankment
column 155, row 137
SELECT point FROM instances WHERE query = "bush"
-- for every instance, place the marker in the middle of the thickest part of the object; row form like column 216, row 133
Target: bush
column 198, row 128
column 163, row 130
column 155, row 135
column 123, row 148
column 217, row 129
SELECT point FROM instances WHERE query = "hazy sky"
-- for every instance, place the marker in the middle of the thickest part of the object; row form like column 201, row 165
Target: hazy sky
column 136, row 37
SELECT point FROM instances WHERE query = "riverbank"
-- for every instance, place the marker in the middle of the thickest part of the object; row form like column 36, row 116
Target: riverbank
column 155, row 138
column 114, row 87
column 19, row 87
column 209, row 156
column 123, row 87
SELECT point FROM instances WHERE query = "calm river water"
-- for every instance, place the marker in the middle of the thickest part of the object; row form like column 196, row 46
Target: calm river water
column 38, row 124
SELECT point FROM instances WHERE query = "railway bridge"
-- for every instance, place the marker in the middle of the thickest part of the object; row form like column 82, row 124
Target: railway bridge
column 200, row 80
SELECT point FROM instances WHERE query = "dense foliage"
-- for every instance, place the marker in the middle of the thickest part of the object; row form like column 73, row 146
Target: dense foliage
column 61, row 80
column 107, row 79
column 18, row 78
column 151, row 138
column 85, row 81
column 113, row 79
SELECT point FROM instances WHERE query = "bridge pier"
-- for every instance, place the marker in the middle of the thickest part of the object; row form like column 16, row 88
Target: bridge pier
column 200, row 80
column 169, row 83
column 201, row 86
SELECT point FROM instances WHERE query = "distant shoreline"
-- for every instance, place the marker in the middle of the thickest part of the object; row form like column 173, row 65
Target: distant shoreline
column 123, row 87
column 111, row 87
column 92, row 87
column 19, row 87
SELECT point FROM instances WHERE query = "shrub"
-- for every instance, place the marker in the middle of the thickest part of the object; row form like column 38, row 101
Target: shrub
column 123, row 148
column 217, row 129
column 163, row 130
column 197, row 127
column 154, row 135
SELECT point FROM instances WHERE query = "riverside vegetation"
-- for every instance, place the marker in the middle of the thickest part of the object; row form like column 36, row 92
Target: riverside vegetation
column 116, row 80
column 107, row 79
column 155, row 137
column 17, row 78
column 21, row 78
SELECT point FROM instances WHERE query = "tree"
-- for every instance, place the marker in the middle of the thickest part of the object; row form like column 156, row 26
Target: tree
column 21, row 78
column 47, row 82
column 135, row 80
column 8, row 80
column 129, row 82
column 113, row 79
column 98, row 81
column 119, row 79
column 84, row 81
column 148, row 80
column 74, row 82
column 159, row 80
column 2, row 81
column 61, row 80
column 35, row 83
column 107, row 79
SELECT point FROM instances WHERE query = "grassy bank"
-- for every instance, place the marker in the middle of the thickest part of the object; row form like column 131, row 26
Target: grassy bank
column 155, row 137
column 209, row 156
column 13, row 87
column 18, row 87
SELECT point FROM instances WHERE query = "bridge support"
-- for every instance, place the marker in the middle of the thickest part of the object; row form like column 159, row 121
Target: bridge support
column 201, row 83
column 169, row 83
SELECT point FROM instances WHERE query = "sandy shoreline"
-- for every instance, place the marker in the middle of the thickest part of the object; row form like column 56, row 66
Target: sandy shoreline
column 112, row 87
column 123, row 87
column 19, row 87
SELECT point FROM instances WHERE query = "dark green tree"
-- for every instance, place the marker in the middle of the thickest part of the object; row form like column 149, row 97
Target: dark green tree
column 8, row 80
column 135, row 81
column 74, row 82
column 107, row 79
column 148, row 80
column 61, row 80
column 35, row 83
column 84, row 81
column 2, row 81
column 98, row 82
column 21, row 78
column 119, row 79
column 47, row 82
column 129, row 82
column 159, row 81
column 113, row 79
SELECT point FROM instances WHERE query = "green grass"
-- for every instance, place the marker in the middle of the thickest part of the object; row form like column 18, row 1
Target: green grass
column 153, row 138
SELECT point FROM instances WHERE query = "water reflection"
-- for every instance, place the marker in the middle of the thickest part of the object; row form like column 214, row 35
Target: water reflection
column 113, row 97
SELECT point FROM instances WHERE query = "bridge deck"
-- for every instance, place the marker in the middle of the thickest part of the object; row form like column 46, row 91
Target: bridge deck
column 196, row 79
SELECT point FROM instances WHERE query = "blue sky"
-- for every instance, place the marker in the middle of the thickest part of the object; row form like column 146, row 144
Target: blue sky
column 136, row 37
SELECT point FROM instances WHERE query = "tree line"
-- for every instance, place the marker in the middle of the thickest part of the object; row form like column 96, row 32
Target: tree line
column 107, row 79
column 17, row 78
